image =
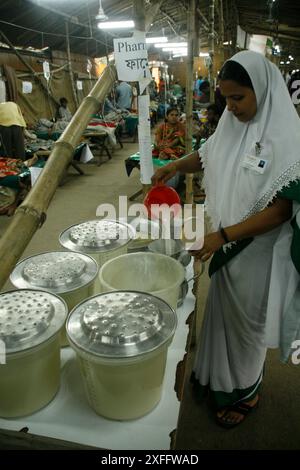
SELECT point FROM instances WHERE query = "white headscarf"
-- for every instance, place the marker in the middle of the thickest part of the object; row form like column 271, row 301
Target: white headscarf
column 234, row 192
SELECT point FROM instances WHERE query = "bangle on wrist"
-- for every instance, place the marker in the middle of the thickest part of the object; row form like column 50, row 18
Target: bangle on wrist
column 224, row 235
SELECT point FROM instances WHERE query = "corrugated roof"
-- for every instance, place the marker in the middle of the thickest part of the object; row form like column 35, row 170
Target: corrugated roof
column 41, row 23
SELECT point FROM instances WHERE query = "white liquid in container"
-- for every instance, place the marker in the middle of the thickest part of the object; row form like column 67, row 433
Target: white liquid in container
column 29, row 381
column 121, row 340
column 125, row 391
column 30, row 325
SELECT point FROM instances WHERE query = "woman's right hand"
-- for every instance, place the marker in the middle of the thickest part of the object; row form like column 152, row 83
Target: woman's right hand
column 163, row 174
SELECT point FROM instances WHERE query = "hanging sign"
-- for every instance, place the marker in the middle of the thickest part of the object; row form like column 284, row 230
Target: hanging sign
column 26, row 87
column 131, row 58
column 79, row 85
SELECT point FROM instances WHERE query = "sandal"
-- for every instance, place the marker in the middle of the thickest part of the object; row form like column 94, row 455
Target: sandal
column 240, row 408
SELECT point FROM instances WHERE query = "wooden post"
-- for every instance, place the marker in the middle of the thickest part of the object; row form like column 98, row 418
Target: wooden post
column 189, row 94
column 70, row 67
column 31, row 213
column 33, row 73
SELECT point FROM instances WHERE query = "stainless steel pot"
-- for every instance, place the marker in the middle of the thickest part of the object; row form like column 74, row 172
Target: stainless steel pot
column 173, row 248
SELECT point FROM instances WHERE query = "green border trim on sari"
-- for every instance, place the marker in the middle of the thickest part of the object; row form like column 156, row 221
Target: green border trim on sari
column 222, row 399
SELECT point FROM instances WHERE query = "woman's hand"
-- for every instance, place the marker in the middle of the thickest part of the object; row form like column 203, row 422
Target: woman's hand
column 163, row 174
column 212, row 243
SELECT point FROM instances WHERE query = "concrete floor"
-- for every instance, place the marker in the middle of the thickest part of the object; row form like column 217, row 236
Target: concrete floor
column 79, row 197
column 276, row 424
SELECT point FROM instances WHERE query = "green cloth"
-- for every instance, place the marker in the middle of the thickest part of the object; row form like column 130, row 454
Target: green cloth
column 156, row 161
column 46, row 136
column 223, row 399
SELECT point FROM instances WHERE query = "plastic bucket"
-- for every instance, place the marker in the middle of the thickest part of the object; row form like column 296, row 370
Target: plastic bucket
column 154, row 273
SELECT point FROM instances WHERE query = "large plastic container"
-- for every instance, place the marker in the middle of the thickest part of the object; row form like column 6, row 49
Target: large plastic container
column 70, row 275
column 102, row 239
column 30, row 325
column 154, row 273
column 121, row 340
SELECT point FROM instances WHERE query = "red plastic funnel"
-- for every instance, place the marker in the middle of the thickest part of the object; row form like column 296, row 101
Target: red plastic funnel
column 159, row 195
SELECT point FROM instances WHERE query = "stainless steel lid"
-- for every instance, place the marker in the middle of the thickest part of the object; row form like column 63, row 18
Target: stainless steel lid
column 121, row 324
column 96, row 236
column 57, row 271
column 29, row 317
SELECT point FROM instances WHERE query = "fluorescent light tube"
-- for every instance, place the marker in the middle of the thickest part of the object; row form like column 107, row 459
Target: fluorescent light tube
column 116, row 24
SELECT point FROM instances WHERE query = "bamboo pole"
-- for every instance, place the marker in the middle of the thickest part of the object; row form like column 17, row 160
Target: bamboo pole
column 32, row 212
column 28, row 66
column 189, row 94
column 70, row 66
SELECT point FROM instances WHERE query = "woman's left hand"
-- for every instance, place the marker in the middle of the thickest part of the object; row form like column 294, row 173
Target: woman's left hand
column 212, row 243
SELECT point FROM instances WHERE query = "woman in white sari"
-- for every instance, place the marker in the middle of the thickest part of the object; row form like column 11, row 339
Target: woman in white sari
column 251, row 177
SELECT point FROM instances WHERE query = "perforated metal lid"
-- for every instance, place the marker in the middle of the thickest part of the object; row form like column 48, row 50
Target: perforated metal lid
column 121, row 324
column 29, row 317
column 57, row 271
column 96, row 236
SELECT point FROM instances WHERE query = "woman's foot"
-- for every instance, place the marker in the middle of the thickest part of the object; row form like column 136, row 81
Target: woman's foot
column 235, row 414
